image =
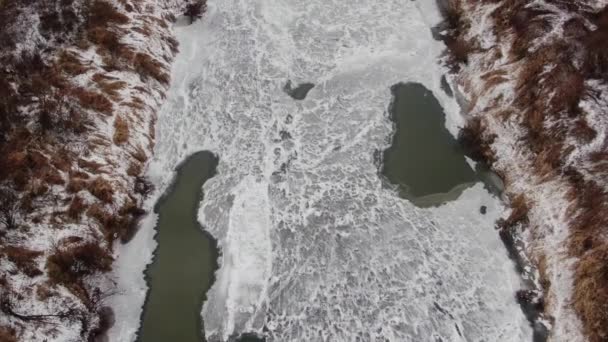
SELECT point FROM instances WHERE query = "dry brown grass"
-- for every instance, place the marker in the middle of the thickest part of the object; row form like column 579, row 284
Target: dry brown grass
column 582, row 131
column 519, row 213
column 120, row 224
column 139, row 154
column 7, row 334
column 103, row 13
column 147, row 66
column 121, row 131
column 52, row 176
column 34, row 155
column 548, row 97
column 591, row 292
column 23, row 258
column 135, row 169
column 596, row 61
column 68, row 265
column 102, row 189
column 77, row 207
column 92, row 100
column 69, row 63
column 109, row 86
column 90, row 166
column 476, row 142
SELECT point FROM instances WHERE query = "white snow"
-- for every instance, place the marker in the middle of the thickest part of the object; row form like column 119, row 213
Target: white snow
column 246, row 262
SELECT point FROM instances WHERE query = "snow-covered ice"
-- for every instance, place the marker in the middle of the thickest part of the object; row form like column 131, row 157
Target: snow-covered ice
column 314, row 246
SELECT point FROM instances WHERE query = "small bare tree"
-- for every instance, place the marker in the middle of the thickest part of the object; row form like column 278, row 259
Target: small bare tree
column 9, row 209
column 195, row 10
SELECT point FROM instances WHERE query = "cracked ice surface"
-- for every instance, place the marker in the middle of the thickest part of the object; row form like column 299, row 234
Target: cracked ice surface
column 314, row 247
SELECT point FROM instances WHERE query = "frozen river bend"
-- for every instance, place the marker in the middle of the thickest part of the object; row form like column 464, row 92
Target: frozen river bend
column 314, row 246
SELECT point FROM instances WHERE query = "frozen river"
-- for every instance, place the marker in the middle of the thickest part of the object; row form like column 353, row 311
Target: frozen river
column 315, row 247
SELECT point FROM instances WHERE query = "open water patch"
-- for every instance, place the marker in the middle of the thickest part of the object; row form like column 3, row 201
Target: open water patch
column 185, row 261
column 298, row 92
column 424, row 160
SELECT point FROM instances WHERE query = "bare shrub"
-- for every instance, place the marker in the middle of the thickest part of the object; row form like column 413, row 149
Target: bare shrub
column 70, row 264
column 519, row 212
column 106, row 321
column 24, row 259
column 77, row 207
column 195, row 10
column 459, row 49
column 76, row 185
column 130, row 214
column 173, row 45
column 115, row 225
column 475, row 142
column 143, row 186
column 9, row 209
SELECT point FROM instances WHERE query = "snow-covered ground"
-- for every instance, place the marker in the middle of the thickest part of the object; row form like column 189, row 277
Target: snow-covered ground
column 314, row 247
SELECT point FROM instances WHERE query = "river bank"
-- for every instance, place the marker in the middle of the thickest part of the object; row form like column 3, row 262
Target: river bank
column 535, row 113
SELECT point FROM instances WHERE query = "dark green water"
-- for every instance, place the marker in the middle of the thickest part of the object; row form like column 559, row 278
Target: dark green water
column 300, row 91
column 185, row 261
column 424, row 160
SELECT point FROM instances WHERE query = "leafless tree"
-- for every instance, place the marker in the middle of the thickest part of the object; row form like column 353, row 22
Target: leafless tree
column 9, row 209
column 195, row 10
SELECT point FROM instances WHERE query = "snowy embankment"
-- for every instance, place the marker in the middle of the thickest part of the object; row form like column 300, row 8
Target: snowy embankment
column 80, row 84
column 314, row 245
column 533, row 78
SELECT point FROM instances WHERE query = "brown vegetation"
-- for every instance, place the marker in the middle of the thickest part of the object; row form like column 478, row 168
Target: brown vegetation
column 519, row 213
column 9, row 210
column 94, row 101
column 121, row 131
column 117, row 225
column 7, row 334
column 591, row 292
column 69, row 265
column 76, row 185
column 77, row 207
column 23, row 258
column 102, row 189
column 550, row 83
column 48, row 145
column 147, row 66
column 477, row 144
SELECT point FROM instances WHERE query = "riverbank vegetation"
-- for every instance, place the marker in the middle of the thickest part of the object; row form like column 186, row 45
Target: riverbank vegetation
column 544, row 80
column 79, row 87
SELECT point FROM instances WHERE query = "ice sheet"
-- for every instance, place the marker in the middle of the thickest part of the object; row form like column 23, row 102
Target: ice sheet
column 314, row 247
